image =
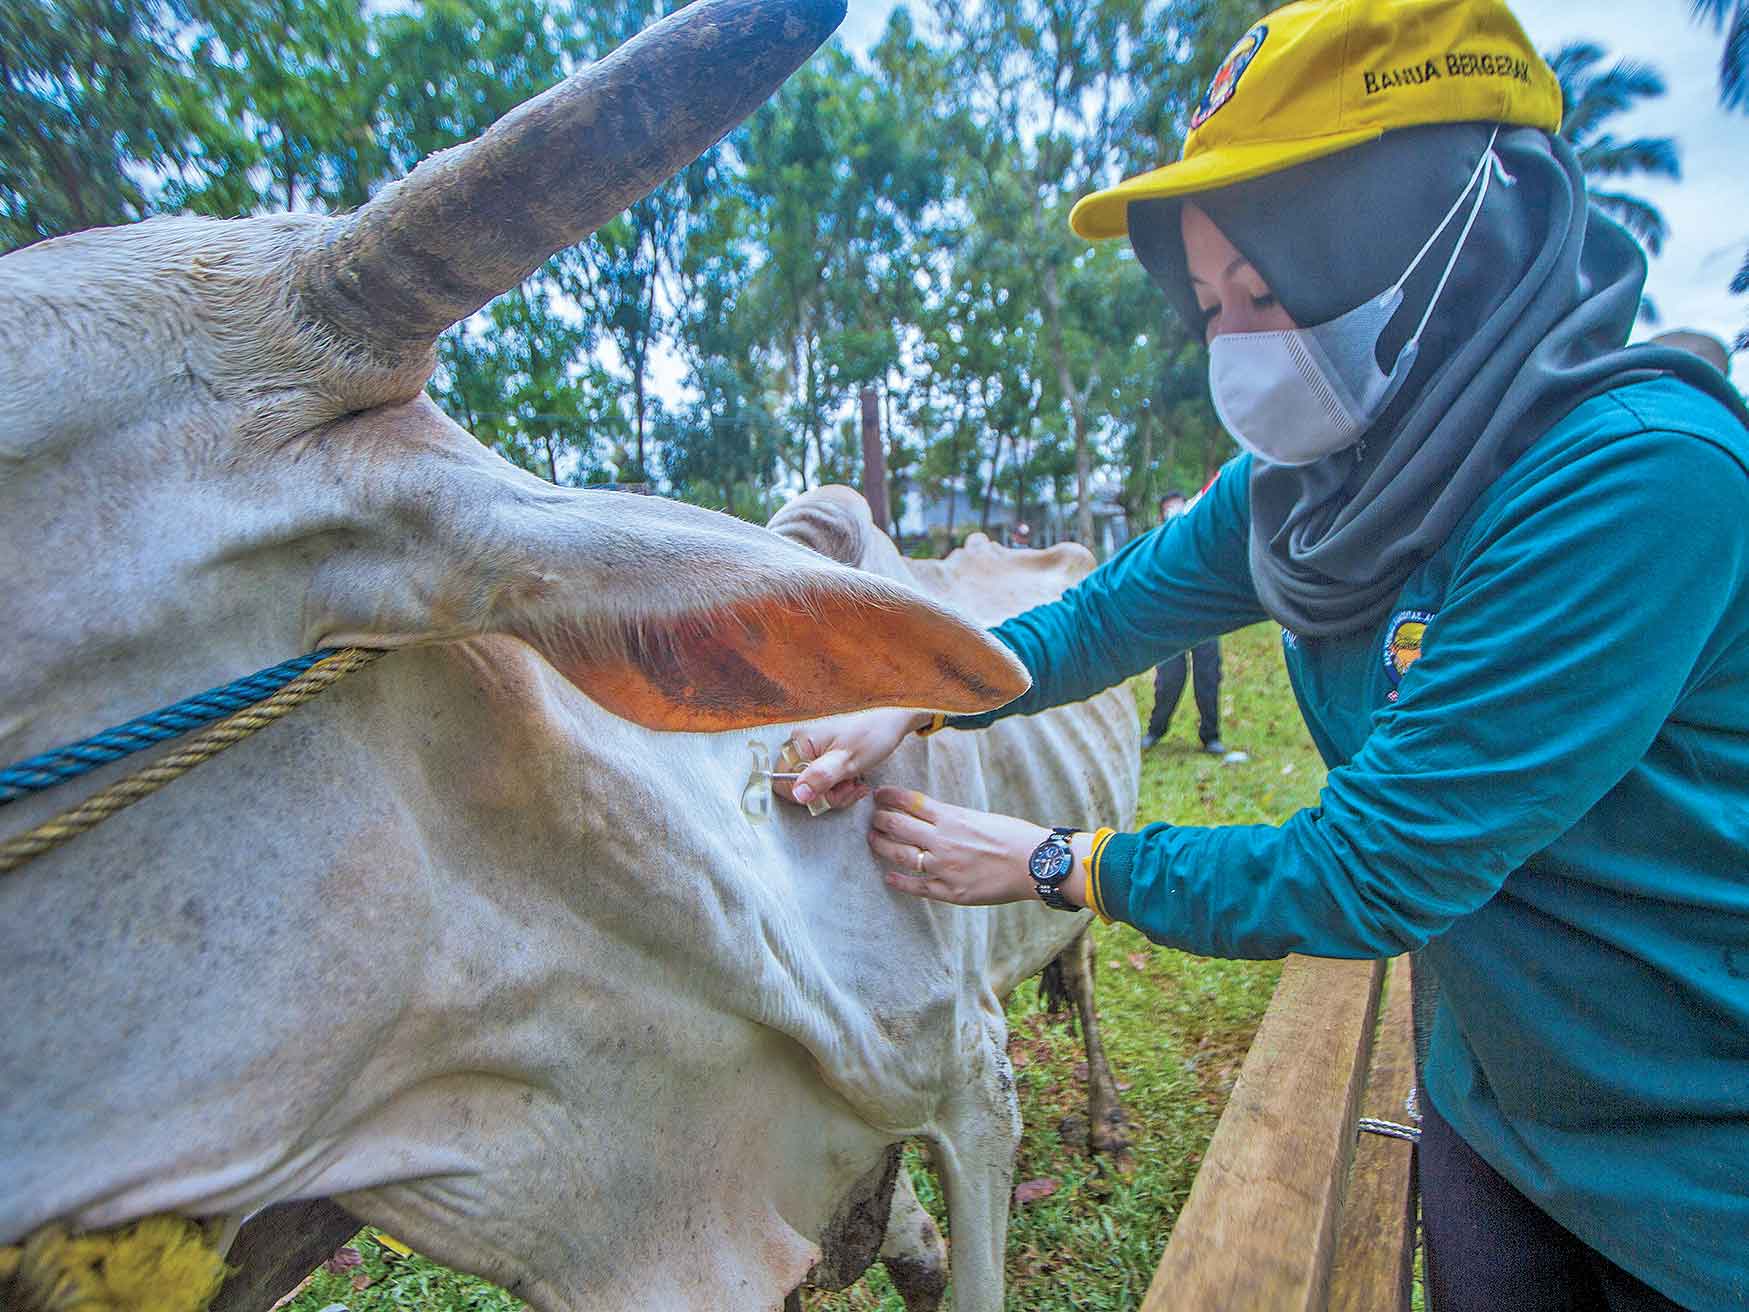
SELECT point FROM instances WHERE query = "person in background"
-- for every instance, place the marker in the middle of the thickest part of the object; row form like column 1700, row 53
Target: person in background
column 1022, row 535
column 1205, row 662
column 1705, row 345
column 1509, row 555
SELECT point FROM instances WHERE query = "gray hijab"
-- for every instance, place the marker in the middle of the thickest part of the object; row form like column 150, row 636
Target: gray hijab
column 1532, row 323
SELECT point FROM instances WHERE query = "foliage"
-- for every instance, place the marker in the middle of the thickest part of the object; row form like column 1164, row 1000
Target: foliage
column 1590, row 97
column 894, row 223
column 95, row 97
column 298, row 81
column 524, row 384
column 1731, row 17
column 1740, row 287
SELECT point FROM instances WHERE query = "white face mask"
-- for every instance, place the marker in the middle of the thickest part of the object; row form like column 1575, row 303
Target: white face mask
column 1299, row 394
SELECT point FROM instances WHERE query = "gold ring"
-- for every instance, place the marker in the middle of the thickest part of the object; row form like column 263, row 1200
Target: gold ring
column 920, row 855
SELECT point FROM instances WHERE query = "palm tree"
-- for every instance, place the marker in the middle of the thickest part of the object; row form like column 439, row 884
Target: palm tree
column 1739, row 285
column 1733, row 16
column 1592, row 95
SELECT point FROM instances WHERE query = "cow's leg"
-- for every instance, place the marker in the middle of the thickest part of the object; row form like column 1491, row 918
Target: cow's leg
column 914, row 1255
column 974, row 1140
column 279, row 1246
column 1107, row 1126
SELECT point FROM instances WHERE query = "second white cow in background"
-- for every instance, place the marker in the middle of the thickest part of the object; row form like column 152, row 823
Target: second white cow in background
column 1073, row 765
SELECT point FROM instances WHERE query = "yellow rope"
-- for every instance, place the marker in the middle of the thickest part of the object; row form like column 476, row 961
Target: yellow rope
column 209, row 742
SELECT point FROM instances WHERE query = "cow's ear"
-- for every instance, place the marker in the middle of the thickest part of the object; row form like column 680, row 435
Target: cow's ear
column 667, row 614
column 801, row 642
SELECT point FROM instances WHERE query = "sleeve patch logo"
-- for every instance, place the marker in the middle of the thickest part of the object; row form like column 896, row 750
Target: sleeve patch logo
column 1404, row 637
column 1228, row 74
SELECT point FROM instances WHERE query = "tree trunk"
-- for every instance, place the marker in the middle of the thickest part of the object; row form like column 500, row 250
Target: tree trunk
column 990, row 483
column 1209, row 459
column 953, row 470
column 638, row 404
column 1077, row 402
column 552, row 463
column 1169, row 458
column 644, row 334
column 874, row 460
column 808, row 393
column 1143, row 510
column 897, row 512
column 71, row 177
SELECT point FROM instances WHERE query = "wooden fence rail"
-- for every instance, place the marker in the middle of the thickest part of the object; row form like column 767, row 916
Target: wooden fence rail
column 1288, row 1212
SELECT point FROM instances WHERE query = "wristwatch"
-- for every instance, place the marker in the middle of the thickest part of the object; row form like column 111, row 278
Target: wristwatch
column 1049, row 865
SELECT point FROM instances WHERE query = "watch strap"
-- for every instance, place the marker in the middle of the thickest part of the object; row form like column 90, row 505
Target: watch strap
column 1052, row 896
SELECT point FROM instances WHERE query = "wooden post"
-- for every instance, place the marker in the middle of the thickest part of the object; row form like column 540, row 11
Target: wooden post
column 1375, row 1250
column 1259, row 1228
column 874, row 460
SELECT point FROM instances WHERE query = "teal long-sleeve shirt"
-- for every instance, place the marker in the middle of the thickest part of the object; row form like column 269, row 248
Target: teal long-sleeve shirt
column 1539, row 771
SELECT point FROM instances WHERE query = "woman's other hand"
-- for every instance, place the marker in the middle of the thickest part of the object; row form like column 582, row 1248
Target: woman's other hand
column 843, row 749
column 951, row 854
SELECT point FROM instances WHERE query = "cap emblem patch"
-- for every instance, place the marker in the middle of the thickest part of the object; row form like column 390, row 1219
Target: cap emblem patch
column 1227, row 76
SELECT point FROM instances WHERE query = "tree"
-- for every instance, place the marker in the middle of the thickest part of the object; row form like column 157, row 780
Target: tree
column 1590, row 97
column 1740, row 286
column 721, row 448
column 520, row 379
column 100, row 109
column 1069, row 95
column 619, row 280
column 452, row 68
column 1043, row 78
column 896, row 223
column 836, row 182
column 1732, row 17
column 299, row 82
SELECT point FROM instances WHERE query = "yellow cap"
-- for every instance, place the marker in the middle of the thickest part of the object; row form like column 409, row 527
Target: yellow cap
column 1320, row 76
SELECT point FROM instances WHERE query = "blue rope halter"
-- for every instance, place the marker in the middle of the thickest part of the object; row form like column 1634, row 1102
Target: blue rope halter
column 69, row 762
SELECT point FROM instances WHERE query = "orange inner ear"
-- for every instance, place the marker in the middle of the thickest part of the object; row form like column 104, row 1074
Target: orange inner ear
column 771, row 662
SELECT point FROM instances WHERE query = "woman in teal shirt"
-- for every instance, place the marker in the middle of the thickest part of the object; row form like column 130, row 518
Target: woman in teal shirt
column 1510, row 559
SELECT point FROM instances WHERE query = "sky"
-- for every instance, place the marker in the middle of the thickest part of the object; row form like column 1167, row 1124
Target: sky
column 1707, row 211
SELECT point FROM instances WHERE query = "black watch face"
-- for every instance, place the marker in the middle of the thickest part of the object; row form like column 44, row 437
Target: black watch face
column 1050, row 862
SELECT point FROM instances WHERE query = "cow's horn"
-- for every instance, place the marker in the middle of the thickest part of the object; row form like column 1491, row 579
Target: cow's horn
column 474, row 221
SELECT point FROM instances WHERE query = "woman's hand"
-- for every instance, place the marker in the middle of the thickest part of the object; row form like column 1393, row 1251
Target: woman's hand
column 842, row 750
column 950, row 854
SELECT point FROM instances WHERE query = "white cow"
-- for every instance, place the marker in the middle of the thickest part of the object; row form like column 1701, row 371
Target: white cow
column 1076, row 765
column 935, row 974
column 460, row 944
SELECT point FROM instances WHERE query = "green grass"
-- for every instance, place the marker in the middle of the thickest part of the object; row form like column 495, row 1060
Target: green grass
column 1176, row 1030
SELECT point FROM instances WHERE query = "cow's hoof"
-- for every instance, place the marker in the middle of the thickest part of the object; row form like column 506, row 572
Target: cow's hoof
column 1121, row 1161
column 921, row 1284
column 1109, row 1139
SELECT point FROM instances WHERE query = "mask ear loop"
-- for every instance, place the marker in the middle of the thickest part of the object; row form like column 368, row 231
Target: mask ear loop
column 1486, row 167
